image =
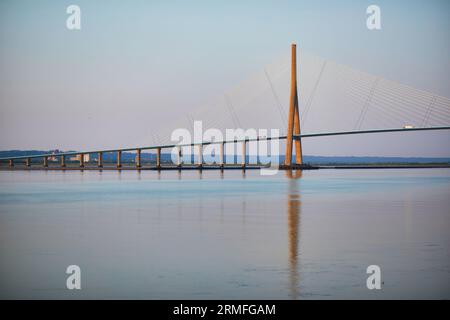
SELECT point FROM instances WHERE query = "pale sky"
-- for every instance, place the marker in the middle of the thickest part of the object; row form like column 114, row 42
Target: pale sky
column 136, row 65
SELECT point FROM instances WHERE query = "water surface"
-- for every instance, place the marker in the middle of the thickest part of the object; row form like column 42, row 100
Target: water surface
column 192, row 235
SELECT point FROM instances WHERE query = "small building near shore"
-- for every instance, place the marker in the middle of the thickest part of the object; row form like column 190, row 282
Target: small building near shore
column 86, row 157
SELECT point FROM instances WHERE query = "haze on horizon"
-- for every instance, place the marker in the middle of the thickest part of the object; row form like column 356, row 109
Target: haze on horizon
column 136, row 66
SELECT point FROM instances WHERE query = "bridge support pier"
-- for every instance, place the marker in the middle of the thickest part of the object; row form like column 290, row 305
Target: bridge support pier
column 138, row 158
column 244, row 153
column 11, row 163
column 63, row 161
column 45, row 162
column 81, row 155
column 158, row 158
column 100, row 160
column 200, row 155
column 179, row 160
column 119, row 159
column 222, row 154
column 27, row 162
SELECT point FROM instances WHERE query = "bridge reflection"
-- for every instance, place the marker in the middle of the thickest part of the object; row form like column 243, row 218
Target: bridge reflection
column 293, row 211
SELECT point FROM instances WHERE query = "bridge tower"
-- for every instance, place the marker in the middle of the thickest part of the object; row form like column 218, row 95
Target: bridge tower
column 293, row 120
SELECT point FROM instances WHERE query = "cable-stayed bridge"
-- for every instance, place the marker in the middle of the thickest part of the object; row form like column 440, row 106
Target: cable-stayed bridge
column 312, row 98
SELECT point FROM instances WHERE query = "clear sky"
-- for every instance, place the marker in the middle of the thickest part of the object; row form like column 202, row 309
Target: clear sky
column 134, row 65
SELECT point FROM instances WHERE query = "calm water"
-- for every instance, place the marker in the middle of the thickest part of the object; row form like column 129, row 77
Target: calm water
column 206, row 236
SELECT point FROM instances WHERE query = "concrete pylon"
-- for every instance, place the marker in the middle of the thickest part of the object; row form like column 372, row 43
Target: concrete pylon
column 294, row 116
column 81, row 159
column 158, row 158
column 100, row 160
column 119, row 159
column 138, row 158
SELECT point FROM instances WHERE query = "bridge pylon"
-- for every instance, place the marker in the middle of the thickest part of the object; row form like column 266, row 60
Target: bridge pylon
column 293, row 118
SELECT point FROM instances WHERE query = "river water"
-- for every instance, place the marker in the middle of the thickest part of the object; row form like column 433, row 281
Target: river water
column 191, row 235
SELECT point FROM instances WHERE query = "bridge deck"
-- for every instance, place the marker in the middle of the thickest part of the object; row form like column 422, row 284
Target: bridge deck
column 121, row 166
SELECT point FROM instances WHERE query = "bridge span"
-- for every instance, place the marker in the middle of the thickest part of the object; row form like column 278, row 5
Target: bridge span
column 293, row 139
column 26, row 162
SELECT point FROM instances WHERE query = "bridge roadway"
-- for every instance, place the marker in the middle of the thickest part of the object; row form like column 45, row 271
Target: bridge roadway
column 180, row 166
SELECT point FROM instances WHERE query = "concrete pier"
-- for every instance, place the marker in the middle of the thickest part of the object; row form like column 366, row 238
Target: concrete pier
column 100, row 160
column 179, row 160
column 138, row 158
column 11, row 163
column 200, row 155
column 244, row 153
column 222, row 154
column 45, row 162
column 158, row 158
column 27, row 162
column 81, row 155
column 63, row 161
column 119, row 159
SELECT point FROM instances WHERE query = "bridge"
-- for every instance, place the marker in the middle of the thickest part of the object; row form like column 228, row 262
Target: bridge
column 405, row 103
